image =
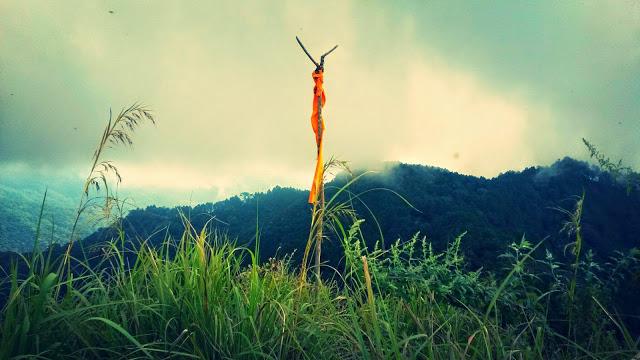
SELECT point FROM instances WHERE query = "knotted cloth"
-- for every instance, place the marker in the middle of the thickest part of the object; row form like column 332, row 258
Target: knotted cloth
column 316, row 119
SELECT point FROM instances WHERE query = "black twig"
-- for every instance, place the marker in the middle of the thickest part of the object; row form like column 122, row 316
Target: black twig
column 325, row 54
column 319, row 66
column 306, row 52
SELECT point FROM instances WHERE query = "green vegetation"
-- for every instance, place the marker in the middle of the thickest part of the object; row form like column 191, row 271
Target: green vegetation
column 493, row 212
column 619, row 170
column 199, row 296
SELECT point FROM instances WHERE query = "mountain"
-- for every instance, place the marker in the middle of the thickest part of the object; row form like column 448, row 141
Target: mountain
column 21, row 195
column 493, row 212
column 21, row 201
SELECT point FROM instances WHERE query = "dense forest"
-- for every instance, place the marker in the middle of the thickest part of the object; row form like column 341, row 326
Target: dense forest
column 405, row 199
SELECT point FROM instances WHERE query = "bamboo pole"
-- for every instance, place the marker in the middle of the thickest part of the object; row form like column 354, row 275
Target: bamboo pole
column 318, row 209
column 320, row 214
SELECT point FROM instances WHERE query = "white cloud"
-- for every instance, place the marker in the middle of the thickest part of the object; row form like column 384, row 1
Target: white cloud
column 232, row 93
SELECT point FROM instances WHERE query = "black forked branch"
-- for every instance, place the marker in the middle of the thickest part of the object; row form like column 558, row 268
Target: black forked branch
column 319, row 66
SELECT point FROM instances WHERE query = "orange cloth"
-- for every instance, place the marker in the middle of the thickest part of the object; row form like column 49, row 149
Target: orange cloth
column 316, row 117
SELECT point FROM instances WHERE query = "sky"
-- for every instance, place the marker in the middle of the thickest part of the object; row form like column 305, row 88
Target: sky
column 475, row 87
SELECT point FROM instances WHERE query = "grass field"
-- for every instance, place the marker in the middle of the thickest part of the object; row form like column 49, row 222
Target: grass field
column 201, row 297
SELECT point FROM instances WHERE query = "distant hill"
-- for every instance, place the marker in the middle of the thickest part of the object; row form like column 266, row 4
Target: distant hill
column 21, row 201
column 21, row 195
column 494, row 212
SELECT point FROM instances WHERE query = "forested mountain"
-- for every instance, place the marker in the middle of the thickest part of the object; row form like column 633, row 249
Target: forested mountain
column 21, row 200
column 493, row 212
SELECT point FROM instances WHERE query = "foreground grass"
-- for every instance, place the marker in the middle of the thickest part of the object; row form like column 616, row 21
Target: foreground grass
column 201, row 297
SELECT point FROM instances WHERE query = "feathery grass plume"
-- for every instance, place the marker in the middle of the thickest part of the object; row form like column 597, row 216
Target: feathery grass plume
column 118, row 131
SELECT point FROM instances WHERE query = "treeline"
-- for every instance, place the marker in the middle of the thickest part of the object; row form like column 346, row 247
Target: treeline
column 493, row 212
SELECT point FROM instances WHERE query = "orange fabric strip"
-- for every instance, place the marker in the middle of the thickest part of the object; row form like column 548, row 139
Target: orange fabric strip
column 316, row 117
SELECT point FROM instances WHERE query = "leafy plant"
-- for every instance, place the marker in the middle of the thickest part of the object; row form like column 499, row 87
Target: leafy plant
column 619, row 171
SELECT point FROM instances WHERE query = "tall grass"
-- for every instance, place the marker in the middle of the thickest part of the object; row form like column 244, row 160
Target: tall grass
column 202, row 297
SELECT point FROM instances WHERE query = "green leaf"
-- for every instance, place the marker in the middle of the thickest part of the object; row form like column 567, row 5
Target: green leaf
column 124, row 332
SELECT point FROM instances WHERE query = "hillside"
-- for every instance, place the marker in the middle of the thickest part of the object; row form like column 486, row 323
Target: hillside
column 493, row 212
column 21, row 201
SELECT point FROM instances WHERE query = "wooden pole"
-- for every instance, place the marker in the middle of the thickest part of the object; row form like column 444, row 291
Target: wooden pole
column 318, row 209
column 320, row 213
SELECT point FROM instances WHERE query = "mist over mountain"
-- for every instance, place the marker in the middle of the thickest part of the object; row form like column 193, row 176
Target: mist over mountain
column 21, row 199
column 493, row 212
column 22, row 192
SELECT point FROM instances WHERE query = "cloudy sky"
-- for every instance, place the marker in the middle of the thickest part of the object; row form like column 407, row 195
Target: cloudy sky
column 476, row 87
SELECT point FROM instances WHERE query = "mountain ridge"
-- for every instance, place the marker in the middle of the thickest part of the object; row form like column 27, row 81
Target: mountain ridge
column 492, row 211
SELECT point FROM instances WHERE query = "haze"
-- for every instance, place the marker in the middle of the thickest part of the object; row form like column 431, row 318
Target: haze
column 468, row 86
